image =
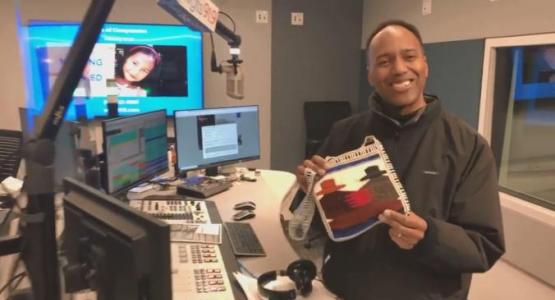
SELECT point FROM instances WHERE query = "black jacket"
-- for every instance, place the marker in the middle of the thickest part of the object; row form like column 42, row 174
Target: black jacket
column 449, row 174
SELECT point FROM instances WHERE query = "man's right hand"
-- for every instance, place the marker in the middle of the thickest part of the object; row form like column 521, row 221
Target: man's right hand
column 316, row 163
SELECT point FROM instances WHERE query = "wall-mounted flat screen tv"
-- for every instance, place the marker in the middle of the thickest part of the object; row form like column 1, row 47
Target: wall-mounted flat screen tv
column 148, row 67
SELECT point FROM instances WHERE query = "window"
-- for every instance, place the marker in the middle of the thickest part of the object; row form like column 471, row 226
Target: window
column 523, row 121
column 517, row 116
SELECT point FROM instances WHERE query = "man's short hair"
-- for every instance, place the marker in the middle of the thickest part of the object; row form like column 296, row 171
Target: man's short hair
column 406, row 25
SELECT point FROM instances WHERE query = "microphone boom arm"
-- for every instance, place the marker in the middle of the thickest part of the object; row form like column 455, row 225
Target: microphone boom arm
column 232, row 39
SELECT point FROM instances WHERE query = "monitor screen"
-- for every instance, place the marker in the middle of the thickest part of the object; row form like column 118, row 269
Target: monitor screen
column 113, row 249
column 153, row 67
column 212, row 137
column 135, row 148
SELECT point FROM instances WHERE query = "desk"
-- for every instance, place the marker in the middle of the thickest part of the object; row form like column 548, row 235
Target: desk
column 271, row 188
column 272, row 193
column 268, row 192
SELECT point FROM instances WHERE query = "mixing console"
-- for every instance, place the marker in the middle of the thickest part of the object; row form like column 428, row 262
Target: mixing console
column 183, row 211
column 198, row 272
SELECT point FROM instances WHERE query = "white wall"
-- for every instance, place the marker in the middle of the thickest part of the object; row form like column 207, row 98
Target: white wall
column 453, row 20
column 255, row 50
column 12, row 93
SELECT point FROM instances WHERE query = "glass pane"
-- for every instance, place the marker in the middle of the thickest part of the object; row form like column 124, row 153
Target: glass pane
column 527, row 147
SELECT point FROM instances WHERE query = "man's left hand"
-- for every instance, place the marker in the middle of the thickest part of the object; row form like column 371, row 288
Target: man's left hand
column 406, row 230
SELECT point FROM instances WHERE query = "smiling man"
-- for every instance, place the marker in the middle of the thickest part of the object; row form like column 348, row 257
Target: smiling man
column 398, row 69
column 449, row 174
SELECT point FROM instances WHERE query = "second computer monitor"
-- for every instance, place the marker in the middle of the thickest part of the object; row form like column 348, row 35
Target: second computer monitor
column 135, row 148
column 208, row 138
column 113, row 249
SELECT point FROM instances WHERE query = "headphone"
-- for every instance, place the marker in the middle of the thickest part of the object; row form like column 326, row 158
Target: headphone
column 301, row 272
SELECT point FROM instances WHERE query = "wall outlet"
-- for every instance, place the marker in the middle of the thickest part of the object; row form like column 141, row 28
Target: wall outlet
column 426, row 7
column 297, row 18
column 262, row 16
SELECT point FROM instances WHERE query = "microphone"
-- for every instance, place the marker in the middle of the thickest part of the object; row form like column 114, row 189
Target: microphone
column 234, row 76
column 234, row 82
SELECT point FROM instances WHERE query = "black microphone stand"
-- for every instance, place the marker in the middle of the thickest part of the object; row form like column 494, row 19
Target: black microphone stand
column 233, row 41
column 38, row 239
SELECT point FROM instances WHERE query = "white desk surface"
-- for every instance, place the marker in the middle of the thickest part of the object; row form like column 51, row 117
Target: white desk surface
column 268, row 192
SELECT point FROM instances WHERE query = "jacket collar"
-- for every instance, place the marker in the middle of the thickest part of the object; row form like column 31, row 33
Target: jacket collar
column 426, row 113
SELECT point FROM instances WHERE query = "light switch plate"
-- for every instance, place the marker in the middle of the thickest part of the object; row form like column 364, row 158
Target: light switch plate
column 426, row 7
column 297, row 18
column 262, row 16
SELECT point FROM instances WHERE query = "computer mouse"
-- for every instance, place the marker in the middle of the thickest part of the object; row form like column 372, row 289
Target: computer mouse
column 245, row 205
column 243, row 215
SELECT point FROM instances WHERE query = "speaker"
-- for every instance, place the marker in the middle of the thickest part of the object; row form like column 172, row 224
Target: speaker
column 301, row 272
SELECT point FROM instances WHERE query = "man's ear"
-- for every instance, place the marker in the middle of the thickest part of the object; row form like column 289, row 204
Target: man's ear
column 369, row 76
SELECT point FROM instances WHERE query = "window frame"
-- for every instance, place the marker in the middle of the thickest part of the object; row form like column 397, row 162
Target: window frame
column 527, row 224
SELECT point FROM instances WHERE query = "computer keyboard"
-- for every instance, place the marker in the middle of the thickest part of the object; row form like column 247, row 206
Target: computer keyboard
column 243, row 239
column 203, row 189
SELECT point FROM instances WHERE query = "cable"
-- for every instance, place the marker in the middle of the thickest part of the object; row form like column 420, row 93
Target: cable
column 214, row 66
column 12, row 288
column 4, row 222
column 13, row 269
column 230, row 18
column 22, row 274
column 212, row 41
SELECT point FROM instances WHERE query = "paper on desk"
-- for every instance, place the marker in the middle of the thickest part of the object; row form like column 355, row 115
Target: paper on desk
column 142, row 188
column 196, row 233
column 250, row 287
column 11, row 185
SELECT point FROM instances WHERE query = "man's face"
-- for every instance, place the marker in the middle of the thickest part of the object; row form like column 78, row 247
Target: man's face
column 397, row 68
column 137, row 66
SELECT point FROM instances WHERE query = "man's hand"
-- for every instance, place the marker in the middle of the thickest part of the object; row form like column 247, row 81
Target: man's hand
column 405, row 230
column 316, row 163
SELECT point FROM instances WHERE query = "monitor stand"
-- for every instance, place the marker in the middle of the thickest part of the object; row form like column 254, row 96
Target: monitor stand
column 212, row 171
column 220, row 170
column 228, row 170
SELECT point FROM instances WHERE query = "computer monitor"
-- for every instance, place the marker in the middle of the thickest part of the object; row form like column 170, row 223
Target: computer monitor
column 111, row 248
column 208, row 138
column 135, row 149
column 169, row 56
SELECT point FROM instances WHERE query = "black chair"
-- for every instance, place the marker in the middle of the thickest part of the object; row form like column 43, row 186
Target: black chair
column 319, row 116
column 10, row 152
